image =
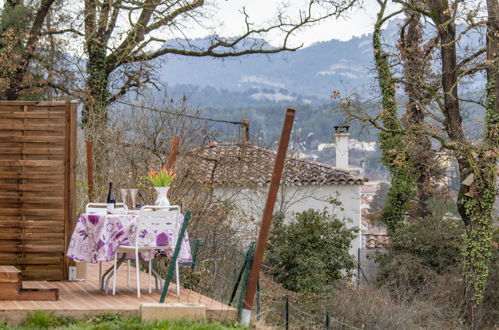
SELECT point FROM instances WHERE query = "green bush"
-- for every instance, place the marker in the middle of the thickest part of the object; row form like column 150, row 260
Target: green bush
column 310, row 253
column 420, row 251
column 436, row 242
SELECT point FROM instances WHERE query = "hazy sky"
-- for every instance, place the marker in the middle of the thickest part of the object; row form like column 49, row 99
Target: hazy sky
column 356, row 22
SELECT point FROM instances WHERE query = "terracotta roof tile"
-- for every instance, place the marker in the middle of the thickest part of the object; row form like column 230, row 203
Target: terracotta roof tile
column 231, row 163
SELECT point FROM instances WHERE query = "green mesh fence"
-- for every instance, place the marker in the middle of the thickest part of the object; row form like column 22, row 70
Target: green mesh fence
column 284, row 314
column 219, row 272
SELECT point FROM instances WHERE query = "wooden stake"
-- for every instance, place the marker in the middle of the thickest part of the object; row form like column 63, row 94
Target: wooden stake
column 245, row 130
column 173, row 152
column 268, row 211
column 90, row 170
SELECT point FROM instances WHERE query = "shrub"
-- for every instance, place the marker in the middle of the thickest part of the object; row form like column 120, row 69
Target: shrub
column 419, row 254
column 310, row 252
column 436, row 242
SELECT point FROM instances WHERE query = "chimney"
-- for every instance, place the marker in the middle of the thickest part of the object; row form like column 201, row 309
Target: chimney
column 341, row 136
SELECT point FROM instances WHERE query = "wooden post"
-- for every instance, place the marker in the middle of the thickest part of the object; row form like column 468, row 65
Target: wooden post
column 173, row 152
column 245, row 130
column 90, row 170
column 267, row 215
column 327, row 321
column 286, row 313
column 70, row 178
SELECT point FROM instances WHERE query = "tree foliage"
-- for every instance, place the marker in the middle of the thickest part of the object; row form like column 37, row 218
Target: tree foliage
column 395, row 154
column 436, row 241
column 21, row 33
column 310, row 253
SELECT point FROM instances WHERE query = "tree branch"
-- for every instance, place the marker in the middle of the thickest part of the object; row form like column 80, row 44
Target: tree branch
column 12, row 92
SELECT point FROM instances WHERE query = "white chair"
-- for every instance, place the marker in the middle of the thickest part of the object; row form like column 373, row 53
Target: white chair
column 101, row 208
column 151, row 218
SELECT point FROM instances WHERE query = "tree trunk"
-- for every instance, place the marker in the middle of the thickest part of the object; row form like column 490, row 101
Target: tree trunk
column 17, row 78
column 420, row 149
column 95, row 111
column 477, row 196
column 480, row 206
column 393, row 146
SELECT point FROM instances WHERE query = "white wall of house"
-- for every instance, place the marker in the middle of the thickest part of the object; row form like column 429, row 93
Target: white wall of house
column 251, row 201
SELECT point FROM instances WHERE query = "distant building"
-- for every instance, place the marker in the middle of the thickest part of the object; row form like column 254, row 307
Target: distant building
column 353, row 144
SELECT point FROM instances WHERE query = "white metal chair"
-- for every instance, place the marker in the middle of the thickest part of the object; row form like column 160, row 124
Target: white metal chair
column 151, row 218
column 101, row 208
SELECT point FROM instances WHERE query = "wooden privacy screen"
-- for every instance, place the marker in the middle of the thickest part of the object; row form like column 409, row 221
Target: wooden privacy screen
column 37, row 186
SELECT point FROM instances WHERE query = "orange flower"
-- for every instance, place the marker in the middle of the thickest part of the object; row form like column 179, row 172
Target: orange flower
column 153, row 173
column 163, row 170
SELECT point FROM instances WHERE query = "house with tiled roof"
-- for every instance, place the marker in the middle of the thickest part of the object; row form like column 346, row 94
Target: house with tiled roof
column 241, row 173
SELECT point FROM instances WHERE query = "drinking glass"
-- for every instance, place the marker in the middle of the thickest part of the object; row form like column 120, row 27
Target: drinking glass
column 133, row 194
column 123, row 192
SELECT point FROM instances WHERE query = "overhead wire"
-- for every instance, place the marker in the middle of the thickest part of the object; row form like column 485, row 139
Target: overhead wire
column 182, row 114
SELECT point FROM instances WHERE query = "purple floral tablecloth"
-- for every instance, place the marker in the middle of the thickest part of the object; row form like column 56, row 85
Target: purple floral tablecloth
column 97, row 236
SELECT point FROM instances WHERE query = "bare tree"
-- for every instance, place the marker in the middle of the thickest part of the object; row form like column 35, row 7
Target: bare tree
column 122, row 37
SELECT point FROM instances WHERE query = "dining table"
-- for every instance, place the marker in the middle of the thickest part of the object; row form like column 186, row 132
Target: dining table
column 97, row 236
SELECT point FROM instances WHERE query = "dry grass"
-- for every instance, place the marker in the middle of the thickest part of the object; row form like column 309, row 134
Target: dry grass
column 365, row 307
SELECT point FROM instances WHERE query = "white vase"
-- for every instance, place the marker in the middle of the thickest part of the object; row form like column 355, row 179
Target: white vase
column 162, row 196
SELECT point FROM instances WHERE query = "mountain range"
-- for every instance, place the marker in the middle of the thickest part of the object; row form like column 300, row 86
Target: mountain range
column 303, row 76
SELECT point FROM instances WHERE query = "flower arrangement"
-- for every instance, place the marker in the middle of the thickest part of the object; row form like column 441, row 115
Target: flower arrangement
column 162, row 178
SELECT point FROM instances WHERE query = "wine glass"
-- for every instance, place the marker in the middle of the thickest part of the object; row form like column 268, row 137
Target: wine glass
column 123, row 192
column 133, row 194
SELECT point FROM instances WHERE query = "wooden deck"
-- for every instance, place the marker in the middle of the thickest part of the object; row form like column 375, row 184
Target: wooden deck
column 83, row 298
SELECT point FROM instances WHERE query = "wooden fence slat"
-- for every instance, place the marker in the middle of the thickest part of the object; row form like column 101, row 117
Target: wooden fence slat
column 33, row 151
column 34, row 212
column 57, row 164
column 56, row 174
column 14, row 115
column 32, row 200
column 54, row 189
column 23, row 236
column 15, row 260
column 49, row 225
column 32, row 248
column 31, row 127
column 32, row 103
column 32, row 138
